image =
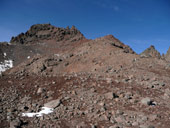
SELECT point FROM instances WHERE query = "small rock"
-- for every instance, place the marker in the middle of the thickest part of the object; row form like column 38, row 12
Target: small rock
column 120, row 119
column 147, row 101
column 15, row 123
column 119, row 112
column 53, row 82
column 116, row 126
column 117, row 81
column 135, row 124
column 74, row 92
column 53, row 103
column 93, row 126
column 40, row 90
column 151, row 126
column 112, row 127
column 108, row 80
column 146, row 126
column 128, row 95
column 102, row 104
column 112, row 120
column 1, row 109
column 153, row 117
column 103, row 118
column 110, row 95
column 142, row 118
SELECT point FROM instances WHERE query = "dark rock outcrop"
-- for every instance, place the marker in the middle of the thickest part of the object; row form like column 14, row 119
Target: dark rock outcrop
column 40, row 32
column 4, row 48
column 1, row 55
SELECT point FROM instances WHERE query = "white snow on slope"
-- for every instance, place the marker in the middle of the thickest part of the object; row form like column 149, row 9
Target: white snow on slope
column 45, row 110
column 7, row 64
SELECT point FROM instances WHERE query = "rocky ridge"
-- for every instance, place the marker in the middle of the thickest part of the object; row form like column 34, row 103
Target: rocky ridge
column 40, row 32
column 40, row 39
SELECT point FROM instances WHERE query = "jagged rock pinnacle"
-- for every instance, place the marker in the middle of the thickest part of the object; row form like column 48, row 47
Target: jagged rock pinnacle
column 151, row 52
column 167, row 55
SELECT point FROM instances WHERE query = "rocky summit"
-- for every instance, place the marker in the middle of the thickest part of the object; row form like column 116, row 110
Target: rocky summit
column 55, row 77
column 151, row 52
column 41, row 32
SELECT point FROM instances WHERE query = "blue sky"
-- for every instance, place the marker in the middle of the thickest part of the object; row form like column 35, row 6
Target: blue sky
column 138, row 23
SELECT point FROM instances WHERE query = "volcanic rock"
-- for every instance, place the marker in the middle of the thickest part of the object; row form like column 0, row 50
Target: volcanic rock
column 146, row 101
column 167, row 55
column 41, row 32
column 1, row 55
column 40, row 39
column 40, row 90
column 15, row 123
column 117, row 43
column 151, row 52
column 97, row 83
column 53, row 103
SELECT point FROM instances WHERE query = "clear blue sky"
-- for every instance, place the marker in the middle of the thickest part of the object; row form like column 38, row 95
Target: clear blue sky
column 138, row 23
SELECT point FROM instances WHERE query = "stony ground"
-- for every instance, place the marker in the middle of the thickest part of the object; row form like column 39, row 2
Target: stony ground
column 85, row 100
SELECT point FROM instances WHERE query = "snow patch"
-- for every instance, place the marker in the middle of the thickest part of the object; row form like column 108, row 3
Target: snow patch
column 5, row 54
column 7, row 64
column 45, row 110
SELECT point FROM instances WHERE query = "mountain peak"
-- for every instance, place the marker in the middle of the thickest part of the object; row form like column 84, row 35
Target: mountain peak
column 151, row 52
column 41, row 32
column 152, row 47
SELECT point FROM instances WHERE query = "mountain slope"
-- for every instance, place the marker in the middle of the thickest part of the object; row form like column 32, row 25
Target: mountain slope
column 68, row 81
column 40, row 39
column 92, row 55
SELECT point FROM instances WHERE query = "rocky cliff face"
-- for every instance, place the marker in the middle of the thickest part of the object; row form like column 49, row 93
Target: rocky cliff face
column 42, row 32
column 151, row 52
column 4, row 50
